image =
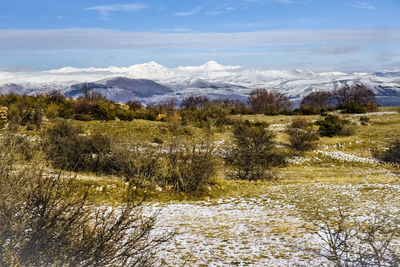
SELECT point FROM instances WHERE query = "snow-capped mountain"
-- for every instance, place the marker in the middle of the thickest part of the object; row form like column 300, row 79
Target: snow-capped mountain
column 152, row 82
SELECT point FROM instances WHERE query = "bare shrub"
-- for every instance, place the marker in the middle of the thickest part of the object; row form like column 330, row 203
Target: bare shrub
column 195, row 102
column 268, row 102
column 391, row 155
column 139, row 165
column 65, row 146
column 351, row 242
column 45, row 221
column 190, row 168
column 134, row 105
column 352, row 233
column 302, row 136
column 316, row 102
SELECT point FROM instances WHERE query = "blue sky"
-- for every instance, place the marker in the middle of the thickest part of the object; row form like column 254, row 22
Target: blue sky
column 320, row 35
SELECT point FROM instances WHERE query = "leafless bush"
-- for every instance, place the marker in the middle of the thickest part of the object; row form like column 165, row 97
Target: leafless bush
column 351, row 238
column 391, row 155
column 194, row 102
column 190, row 168
column 317, row 102
column 45, row 220
column 268, row 102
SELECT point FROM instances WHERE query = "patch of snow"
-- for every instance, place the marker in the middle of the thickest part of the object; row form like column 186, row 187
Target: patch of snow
column 376, row 113
column 346, row 157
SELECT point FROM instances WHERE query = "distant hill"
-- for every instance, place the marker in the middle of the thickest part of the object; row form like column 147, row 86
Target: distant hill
column 121, row 89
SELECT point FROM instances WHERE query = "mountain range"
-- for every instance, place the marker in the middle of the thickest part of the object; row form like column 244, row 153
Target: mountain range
column 154, row 83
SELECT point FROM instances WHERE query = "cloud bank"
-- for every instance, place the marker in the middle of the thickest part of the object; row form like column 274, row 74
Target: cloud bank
column 113, row 39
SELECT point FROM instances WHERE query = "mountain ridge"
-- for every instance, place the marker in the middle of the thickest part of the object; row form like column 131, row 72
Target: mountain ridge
column 152, row 82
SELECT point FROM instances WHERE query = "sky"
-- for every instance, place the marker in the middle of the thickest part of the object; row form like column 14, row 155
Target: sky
column 319, row 35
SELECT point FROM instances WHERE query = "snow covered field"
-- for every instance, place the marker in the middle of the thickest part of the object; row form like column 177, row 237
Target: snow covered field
column 264, row 231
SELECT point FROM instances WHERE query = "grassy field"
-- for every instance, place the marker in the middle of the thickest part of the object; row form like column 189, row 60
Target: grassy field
column 337, row 160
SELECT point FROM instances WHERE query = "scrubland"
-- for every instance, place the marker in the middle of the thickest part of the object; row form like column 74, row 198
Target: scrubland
column 336, row 204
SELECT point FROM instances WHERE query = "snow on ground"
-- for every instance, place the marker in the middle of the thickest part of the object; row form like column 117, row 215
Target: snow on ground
column 279, row 127
column 234, row 231
column 375, row 113
column 346, row 157
column 262, row 231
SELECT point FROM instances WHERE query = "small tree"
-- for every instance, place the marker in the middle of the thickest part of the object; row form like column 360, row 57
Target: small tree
column 356, row 98
column 255, row 152
column 268, row 102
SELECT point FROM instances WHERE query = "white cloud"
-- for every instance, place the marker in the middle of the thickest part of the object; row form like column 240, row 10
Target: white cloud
column 285, row 1
column 106, row 9
column 214, row 12
column 189, row 13
column 337, row 50
column 219, row 11
column 113, row 39
column 362, row 5
column 386, row 56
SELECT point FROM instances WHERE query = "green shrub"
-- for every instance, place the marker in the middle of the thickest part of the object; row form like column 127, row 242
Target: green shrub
column 125, row 115
column 208, row 115
column 302, row 136
column 332, row 125
column 83, row 117
column 256, row 124
column 68, row 148
column 353, row 107
column 25, row 114
column 66, row 109
column 255, row 152
column 102, row 111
